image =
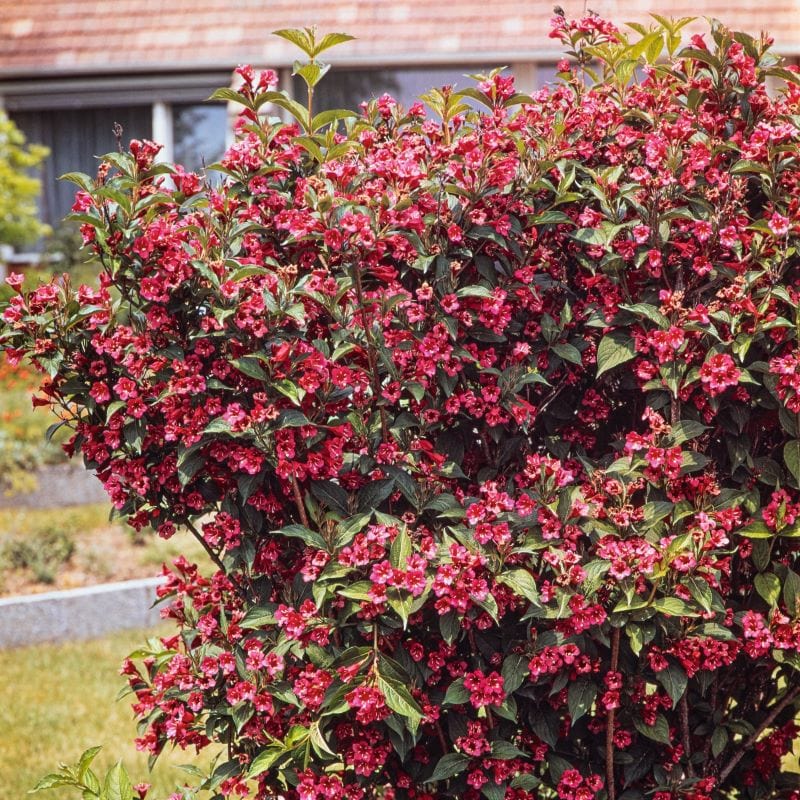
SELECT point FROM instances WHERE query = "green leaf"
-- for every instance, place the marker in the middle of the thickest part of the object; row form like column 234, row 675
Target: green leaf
column 292, row 418
column 567, row 352
column 241, row 715
column 399, row 699
column 659, row 732
column 684, row 431
column 457, row 694
column 311, row 538
column 331, row 115
column 674, row 681
column 265, row 759
column 719, row 740
column 53, row 781
column 302, row 39
column 700, row 591
column 312, row 73
column 506, row 751
column 80, row 179
column 331, row 495
column 401, row 549
column 258, row 617
column 674, row 606
column 515, row 672
column 648, row 311
column 449, row 626
column 591, row 236
column 521, row 582
column 493, row 791
column 756, row 530
column 251, row 367
column 768, row 587
column 580, row 696
column 614, row 349
column 791, row 592
column 86, row 759
column 229, row 96
column 373, row 494
column 552, row 217
column 791, row 457
column 189, row 464
column 246, row 272
column 294, row 108
column 331, row 40
column 117, row 785
column 449, row 766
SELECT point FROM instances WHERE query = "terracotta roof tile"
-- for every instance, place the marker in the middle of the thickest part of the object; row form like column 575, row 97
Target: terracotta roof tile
column 38, row 37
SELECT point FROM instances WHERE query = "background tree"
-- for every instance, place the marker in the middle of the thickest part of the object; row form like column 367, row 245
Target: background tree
column 19, row 188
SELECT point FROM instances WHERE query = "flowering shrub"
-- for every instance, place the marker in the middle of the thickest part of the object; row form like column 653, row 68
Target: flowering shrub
column 489, row 421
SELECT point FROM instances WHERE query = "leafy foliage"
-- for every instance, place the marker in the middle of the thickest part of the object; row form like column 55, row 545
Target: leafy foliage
column 19, row 190
column 489, row 421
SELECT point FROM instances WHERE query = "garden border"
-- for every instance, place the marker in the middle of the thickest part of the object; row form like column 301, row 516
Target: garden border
column 82, row 613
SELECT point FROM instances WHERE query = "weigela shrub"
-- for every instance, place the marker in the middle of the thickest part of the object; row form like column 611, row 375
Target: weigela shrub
column 490, row 421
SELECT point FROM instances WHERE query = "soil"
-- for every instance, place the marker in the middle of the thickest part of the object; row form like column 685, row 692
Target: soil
column 105, row 555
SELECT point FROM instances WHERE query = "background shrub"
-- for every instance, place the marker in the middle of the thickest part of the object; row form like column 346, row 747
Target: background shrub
column 42, row 553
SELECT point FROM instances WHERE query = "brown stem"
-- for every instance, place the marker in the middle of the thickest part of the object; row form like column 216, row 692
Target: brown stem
column 751, row 740
column 610, row 785
column 685, row 734
column 373, row 365
column 238, row 588
column 714, row 693
column 206, row 546
column 442, row 741
column 298, row 501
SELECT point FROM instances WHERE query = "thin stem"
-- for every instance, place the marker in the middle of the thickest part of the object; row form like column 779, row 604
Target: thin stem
column 237, row 586
column 685, row 733
column 714, row 691
column 206, row 546
column 298, row 501
column 440, row 735
column 373, row 365
column 751, row 740
column 610, row 784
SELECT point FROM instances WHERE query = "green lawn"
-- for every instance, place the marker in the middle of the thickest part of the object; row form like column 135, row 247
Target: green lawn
column 58, row 700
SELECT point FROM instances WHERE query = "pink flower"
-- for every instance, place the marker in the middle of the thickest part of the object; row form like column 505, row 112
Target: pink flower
column 718, row 373
column 779, row 224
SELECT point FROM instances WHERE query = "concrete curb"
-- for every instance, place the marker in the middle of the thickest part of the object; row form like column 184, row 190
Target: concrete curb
column 83, row 613
column 59, row 485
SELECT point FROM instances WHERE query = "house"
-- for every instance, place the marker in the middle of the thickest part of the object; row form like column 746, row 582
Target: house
column 70, row 70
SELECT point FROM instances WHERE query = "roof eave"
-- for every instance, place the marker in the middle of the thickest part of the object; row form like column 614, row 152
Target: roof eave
column 365, row 61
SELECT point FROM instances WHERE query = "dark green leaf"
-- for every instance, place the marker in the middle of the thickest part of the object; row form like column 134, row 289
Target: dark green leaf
column 331, row 495
column 659, row 732
column 515, row 672
column 768, row 586
column 311, row 538
column 674, row 681
column 373, row 494
column 791, row 457
column 521, row 582
column 580, row 696
column 449, row 766
column 614, row 349
column 456, row 694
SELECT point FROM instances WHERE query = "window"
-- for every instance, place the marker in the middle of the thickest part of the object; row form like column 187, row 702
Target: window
column 199, row 133
column 75, row 138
